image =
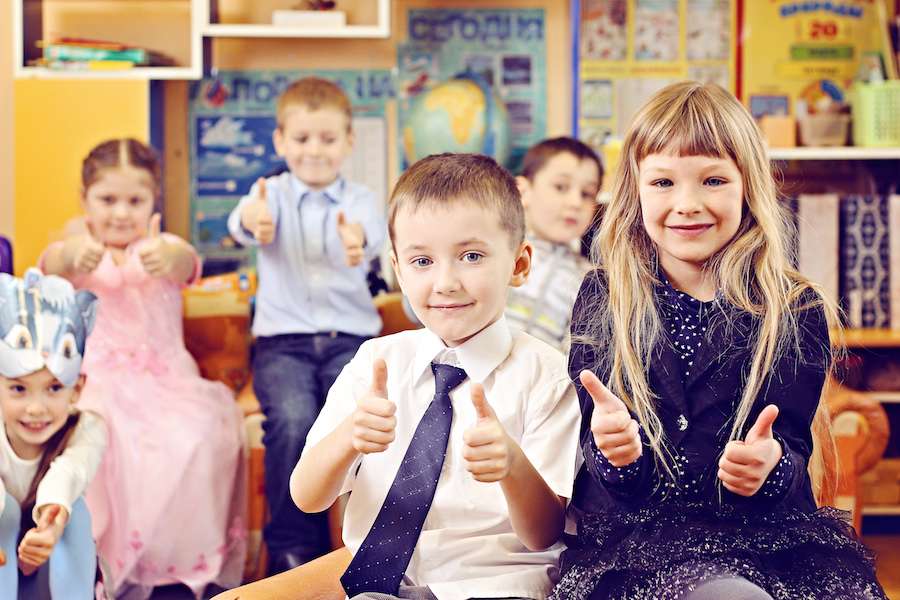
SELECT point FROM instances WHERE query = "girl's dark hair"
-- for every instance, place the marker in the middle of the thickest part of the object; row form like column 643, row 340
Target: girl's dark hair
column 538, row 155
column 119, row 152
column 52, row 449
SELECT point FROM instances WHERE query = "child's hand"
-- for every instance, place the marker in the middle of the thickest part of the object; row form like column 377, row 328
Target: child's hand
column 82, row 252
column 155, row 252
column 373, row 420
column 256, row 216
column 615, row 432
column 744, row 466
column 2, row 558
column 353, row 236
column 487, row 453
column 38, row 542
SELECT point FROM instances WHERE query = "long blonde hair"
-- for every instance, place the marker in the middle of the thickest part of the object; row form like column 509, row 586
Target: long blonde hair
column 752, row 272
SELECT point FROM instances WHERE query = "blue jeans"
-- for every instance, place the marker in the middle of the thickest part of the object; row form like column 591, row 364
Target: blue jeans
column 292, row 374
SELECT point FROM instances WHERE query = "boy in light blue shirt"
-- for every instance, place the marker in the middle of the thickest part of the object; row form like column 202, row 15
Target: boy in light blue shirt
column 316, row 234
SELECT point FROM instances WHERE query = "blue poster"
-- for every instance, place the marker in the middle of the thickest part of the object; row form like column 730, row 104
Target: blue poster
column 232, row 117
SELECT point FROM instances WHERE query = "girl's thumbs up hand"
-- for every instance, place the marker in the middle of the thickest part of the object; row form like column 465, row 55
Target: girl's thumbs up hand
column 154, row 251
column 745, row 466
column 488, row 449
column 616, row 434
column 83, row 252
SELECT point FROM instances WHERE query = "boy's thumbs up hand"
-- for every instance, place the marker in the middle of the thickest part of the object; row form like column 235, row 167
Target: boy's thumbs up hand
column 154, row 251
column 373, row 420
column 353, row 237
column 745, row 466
column 616, row 434
column 256, row 216
column 488, row 449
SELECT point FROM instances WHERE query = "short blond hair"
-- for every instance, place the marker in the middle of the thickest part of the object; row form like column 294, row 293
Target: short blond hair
column 313, row 93
column 442, row 179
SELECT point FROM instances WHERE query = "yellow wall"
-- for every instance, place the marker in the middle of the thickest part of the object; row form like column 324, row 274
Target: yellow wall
column 56, row 123
column 7, row 212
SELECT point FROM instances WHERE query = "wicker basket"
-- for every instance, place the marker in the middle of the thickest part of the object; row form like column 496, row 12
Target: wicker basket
column 824, row 129
column 876, row 114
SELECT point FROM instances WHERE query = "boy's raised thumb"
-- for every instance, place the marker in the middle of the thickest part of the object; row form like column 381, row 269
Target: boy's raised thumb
column 762, row 429
column 604, row 400
column 379, row 378
column 261, row 189
column 482, row 408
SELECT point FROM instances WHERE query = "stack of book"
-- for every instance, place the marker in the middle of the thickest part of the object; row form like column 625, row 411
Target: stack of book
column 97, row 55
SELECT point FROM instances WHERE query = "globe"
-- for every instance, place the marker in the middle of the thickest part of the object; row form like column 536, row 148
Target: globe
column 458, row 115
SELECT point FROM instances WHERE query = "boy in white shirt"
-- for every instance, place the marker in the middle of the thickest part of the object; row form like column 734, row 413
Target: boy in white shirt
column 457, row 441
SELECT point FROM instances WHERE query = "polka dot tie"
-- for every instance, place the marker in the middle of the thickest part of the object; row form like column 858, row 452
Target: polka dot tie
column 383, row 556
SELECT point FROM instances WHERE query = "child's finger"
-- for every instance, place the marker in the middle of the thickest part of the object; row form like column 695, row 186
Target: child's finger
column 604, row 400
column 261, row 189
column 762, row 428
column 736, row 470
column 742, row 454
column 341, row 219
column 480, row 436
column 379, row 378
column 614, row 440
column 376, row 422
column 47, row 516
column 483, row 409
column 154, row 229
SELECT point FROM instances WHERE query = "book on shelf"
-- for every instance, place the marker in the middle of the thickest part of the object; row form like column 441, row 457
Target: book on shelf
column 85, row 65
column 84, row 51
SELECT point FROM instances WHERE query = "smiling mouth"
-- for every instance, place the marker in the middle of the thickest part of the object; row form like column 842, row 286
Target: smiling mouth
column 34, row 427
column 449, row 307
column 690, row 230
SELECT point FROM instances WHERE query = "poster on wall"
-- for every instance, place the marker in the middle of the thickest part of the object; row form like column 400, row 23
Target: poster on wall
column 629, row 49
column 501, row 52
column 232, row 117
column 810, row 51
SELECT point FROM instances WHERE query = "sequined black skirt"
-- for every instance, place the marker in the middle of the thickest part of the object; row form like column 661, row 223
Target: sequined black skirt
column 664, row 551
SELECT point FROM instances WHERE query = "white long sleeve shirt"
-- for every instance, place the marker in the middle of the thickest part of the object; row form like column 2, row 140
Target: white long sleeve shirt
column 69, row 474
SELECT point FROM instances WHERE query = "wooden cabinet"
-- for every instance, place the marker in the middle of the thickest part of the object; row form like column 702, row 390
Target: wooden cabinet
column 179, row 29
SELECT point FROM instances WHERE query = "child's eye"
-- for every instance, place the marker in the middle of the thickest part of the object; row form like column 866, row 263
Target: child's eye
column 715, row 181
column 56, row 387
column 108, row 200
column 301, row 139
column 562, row 188
column 472, row 257
column 135, row 201
column 17, row 388
column 328, row 140
column 421, row 262
column 662, row 183
column 589, row 196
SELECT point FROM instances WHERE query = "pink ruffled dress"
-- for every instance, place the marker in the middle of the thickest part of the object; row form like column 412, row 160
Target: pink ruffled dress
column 168, row 503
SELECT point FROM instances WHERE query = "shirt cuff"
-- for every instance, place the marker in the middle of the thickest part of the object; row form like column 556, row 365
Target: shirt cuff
column 779, row 480
column 625, row 476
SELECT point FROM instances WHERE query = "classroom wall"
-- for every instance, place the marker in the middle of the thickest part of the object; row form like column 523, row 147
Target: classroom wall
column 56, row 123
column 265, row 53
column 7, row 203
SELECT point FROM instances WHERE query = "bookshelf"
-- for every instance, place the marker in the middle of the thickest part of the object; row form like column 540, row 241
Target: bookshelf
column 176, row 28
column 834, row 153
column 252, row 19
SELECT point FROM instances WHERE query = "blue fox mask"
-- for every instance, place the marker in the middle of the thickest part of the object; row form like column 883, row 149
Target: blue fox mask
column 43, row 323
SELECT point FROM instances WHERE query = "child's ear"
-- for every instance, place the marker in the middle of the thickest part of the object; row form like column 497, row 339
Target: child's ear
column 524, row 189
column 278, row 140
column 523, row 265
column 395, row 265
column 76, row 390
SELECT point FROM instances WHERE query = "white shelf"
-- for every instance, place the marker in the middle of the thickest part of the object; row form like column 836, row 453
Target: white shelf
column 881, row 510
column 834, row 153
column 884, row 397
column 272, row 31
column 139, row 73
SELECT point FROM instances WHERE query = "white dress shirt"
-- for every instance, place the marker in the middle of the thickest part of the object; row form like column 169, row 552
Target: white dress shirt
column 467, row 547
column 69, row 473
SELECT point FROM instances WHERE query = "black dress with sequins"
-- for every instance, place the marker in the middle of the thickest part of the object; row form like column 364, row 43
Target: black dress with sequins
column 641, row 534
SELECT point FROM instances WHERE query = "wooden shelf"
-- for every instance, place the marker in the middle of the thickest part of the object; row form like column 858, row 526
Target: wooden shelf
column 881, row 510
column 272, row 31
column 834, row 153
column 871, row 338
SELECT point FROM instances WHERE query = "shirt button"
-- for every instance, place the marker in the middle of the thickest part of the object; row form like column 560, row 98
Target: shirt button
column 682, row 423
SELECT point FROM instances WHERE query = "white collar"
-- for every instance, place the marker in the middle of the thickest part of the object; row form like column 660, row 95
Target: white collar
column 478, row 356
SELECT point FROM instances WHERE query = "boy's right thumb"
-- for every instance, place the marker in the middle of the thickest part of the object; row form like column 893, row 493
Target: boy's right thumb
column 261, row 188
column 379, row 378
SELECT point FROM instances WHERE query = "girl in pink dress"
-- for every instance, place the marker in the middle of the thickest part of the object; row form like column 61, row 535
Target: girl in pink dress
column 167, row 503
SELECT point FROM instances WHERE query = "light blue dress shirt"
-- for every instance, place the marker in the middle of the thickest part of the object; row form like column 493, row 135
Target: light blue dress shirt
column 305, row 285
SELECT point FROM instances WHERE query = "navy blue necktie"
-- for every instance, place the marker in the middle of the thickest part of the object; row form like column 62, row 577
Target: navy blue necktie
column 383, row 556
